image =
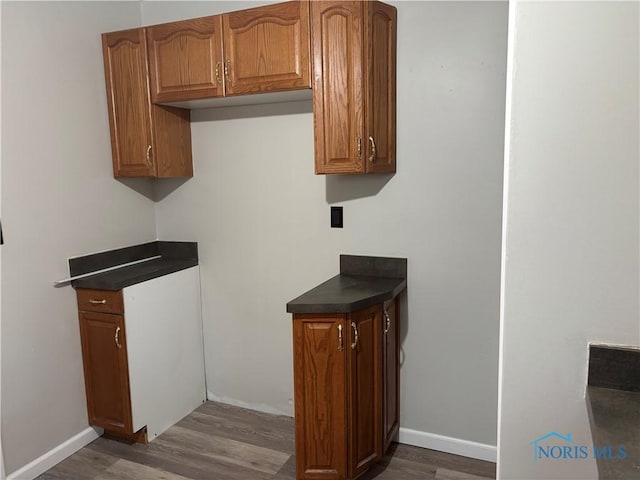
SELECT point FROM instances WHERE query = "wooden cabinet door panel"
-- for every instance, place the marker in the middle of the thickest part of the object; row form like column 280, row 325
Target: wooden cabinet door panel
column 125, row 59
column 380, row 107
column 185, row 59
column 105, row 371
column 172, row 141
column 391, row 373
column 267, row 48
column 320, row 396
column 336, row 36
column 365, row 390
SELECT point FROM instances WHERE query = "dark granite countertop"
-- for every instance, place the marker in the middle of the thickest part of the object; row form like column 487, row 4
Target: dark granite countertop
column 362, row 282
column 175, row 256
column 127, row 276
column 613, row 403
column 615, row 421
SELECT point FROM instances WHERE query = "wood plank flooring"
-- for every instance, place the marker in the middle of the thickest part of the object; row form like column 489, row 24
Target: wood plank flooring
column 222, row 442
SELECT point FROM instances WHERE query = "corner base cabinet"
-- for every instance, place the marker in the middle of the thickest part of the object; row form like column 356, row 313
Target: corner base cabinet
column 142, row 354
column 346, row 379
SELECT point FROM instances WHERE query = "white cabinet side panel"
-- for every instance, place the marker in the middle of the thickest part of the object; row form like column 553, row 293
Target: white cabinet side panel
column 163, row 324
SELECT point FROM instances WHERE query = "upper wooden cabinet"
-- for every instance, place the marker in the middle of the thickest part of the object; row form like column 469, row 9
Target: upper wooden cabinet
column 345, row 51
column 354, row 86
column 146, row 140
column 185, row 59
column 266, row 49
column 262, row 49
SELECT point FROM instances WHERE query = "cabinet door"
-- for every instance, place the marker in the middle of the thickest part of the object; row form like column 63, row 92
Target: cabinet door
column 185, row 59
column 380, row 98
column 125, row 64
column 171, row 135
column 267, row 48
column 391, row 373
column 319, row 362
column 336, row 38
column 104, row 356
column 365, row 389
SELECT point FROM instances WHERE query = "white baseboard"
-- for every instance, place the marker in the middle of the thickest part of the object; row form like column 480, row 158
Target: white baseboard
column 457, row 446
column 416, row 438
column 55, row 455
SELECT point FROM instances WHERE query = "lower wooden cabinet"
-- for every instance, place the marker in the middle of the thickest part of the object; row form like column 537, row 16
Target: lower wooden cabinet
column 106, row 373
column 364, row 396
column 391, row 373
column 142, row 354
column 346, row 390
column 320, row 386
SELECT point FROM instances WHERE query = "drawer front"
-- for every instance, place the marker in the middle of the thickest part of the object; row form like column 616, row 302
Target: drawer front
column 105, row 301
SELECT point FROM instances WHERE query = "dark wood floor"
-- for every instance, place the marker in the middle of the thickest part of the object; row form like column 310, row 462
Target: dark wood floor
column 222, row 442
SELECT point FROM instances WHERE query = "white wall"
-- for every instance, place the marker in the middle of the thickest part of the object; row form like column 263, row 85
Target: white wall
column 571, row 250
column 259, row 213
column 2, row 470
column 261, row 218
column 59, row 199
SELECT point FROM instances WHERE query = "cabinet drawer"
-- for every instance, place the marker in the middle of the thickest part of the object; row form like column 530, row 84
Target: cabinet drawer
column 105, row 301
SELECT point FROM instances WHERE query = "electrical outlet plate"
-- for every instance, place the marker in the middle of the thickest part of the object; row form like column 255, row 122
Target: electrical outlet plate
column 336, row 217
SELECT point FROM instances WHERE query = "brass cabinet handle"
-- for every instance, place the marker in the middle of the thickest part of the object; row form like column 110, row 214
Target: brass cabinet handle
column 374, row 151
column 98, row 302
column 340, row 342
column 388, row 322
column 149, row 155
column 226, row 71
column 218, row 79
column 117, row 339
column 359, row 147
column 355, row 335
